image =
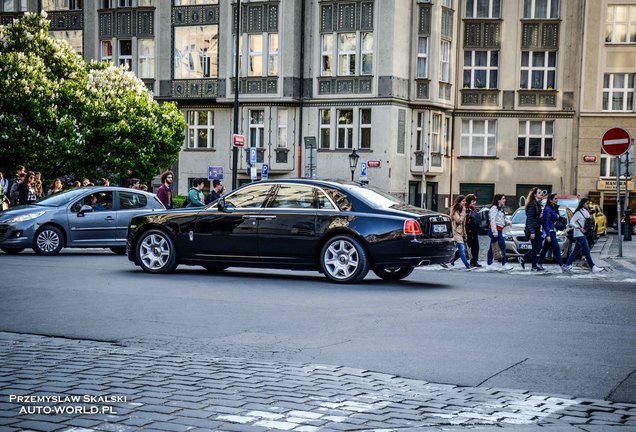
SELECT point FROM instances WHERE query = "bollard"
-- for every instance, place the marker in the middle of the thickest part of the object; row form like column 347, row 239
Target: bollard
column 627, row 235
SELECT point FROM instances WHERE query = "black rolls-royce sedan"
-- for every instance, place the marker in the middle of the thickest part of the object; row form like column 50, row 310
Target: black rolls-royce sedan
column 341, row 230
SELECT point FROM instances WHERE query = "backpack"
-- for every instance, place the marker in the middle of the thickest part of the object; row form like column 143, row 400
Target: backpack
column 480, row 221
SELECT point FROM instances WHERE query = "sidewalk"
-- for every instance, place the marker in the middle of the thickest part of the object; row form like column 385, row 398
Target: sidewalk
column 605, row 253
column 51, row 384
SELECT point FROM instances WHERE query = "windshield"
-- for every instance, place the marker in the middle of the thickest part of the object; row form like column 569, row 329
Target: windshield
column 61, row 198
column 519, row 217
column 375, row 197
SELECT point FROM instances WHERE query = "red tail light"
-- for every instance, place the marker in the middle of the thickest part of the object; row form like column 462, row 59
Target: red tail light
column 411, row 226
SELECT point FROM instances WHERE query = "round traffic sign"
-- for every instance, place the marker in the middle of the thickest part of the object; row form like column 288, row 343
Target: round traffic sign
column 616, row 141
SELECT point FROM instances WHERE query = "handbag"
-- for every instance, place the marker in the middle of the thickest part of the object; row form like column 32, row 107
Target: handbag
column 496, row 250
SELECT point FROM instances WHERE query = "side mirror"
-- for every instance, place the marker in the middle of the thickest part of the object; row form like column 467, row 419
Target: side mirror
column 225, row 207
column 85, row 208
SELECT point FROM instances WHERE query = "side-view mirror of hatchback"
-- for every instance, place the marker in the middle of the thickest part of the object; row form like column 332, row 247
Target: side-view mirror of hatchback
column 84, row 209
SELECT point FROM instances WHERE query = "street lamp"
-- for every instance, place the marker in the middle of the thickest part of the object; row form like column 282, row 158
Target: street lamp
column 353, row 162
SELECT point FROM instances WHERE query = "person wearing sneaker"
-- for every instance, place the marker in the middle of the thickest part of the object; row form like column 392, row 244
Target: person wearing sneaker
column 549, row 220
column 533, row 228
column 458, row 221
column 472, row 230
column 497, row 222
column 581, row 214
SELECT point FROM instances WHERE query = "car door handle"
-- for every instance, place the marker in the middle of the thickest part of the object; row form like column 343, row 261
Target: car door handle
column 267, row 217
column 250, row 217
column 109, row 218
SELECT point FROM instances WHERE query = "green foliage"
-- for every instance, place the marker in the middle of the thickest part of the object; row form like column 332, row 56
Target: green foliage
column 61, row 115
column 178, row 200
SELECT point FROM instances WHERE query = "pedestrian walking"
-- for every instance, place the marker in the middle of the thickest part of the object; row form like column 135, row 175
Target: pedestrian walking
column 215, row 193
column 37, row 185
column 578, row 222
column 195, row 196
column 164, row 193
column 4, row 191
column 458, row 222
column 548, row 221
column 472, row 229
column 533, row 228
column 135, row 183
column 57, row 187
column 496, row 225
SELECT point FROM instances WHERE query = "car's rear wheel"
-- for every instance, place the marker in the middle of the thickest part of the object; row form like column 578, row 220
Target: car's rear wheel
column 12, row 251
column 118, row 250
column 343, row 259
column 393, row 273
column 48, row 241
column 156, row 252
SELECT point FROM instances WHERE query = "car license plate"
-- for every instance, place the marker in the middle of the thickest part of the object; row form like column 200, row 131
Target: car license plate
column 525, row 246
column 439, row 228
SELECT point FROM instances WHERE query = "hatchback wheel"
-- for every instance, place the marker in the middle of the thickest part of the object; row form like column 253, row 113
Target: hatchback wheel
column 393, row 273
column 48, row 241
column 156, row 252
column 344, row 260
column 12, row 251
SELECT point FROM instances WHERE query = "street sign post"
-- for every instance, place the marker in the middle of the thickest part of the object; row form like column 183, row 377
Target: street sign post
column 215, row 173
column 616, row 142
column 265, row 172
column 238, row 140
column 252, row 155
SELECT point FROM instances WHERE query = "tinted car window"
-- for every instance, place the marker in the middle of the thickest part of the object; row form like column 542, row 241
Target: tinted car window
column 99, row 201
column 323, row 201
column 341, row 200
column 249, row 197
column 293, row 196
column 132, row 200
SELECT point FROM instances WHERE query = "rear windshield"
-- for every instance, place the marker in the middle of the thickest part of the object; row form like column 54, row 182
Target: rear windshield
column 375, row 197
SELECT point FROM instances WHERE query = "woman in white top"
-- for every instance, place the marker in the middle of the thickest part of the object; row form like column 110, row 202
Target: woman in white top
column 578, row 223
column 497, row 222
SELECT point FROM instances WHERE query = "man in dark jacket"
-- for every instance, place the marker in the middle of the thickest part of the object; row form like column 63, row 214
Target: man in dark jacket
column 215, row 193
column 472, row 230
column 533, row 228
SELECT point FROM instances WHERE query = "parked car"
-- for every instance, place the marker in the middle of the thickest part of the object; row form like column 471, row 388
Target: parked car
column 341, row 230
column 632, row 223
column 517, row 244
column 600, row 220
column 82, row 217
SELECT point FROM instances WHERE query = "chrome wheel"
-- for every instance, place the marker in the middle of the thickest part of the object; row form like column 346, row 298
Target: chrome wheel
column 344, row 260
column 48, row 241
column 154, row 251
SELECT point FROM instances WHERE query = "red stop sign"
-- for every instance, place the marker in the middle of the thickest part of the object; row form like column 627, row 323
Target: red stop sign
column 616, row 141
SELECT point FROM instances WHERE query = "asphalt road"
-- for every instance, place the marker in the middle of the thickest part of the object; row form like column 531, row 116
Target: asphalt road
column 572, row 335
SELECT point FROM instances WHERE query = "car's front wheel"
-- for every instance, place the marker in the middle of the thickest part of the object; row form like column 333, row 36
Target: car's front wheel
column 48, row 241
column 156, row 252
column 393, row 273
column 12, row 251
column 343, row 259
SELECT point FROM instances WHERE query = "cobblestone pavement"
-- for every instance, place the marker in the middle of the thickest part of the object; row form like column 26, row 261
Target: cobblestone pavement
column 49, row 384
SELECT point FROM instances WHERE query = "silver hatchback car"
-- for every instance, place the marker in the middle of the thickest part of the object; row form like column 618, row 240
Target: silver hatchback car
column 83, row 217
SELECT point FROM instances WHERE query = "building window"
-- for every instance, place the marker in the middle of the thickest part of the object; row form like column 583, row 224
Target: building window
column 255, row 52
column 273, row 55
column 621, row 24
column 107, row 51
column 326, row 65
column 538, row 70
column 325, row 128
column 436, row 133
column 146, row 3
column 125, row 3
column 282, row 127
column 21, row 6
column 51, row 5
column 479, row 138
column 618, row 92
column 257, row 128
column 608, row 164
column 541, row 9
column 200, row 133
column 196, row 52
column 422, row 57
column 354, row 52
column 146, row 58
column 124, row 56
column 345, row 129
column 483, row 8
column 535, row 139
column 481, row 69
column 444, row 62
column 447, row 3
column 72, row 37
column 420, row 140
column 365, row 129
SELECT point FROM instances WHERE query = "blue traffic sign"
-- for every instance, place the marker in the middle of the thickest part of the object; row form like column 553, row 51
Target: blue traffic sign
column 253, row 155
column 265, row 172
column 363, row 169
column 215, row 173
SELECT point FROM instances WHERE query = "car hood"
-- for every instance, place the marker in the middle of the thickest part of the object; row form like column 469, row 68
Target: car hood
column 20, row 210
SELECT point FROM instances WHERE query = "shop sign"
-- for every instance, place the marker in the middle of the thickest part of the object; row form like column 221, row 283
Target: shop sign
column 589, row 158
column 610, row 185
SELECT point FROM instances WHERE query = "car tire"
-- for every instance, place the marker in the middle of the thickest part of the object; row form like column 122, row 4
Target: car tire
column 156, row 252
column 343, row 259
column 215, row 268
column 118, row 250
column 48, row 240
column 12, row 251
column 634, row 229
column 393, row 273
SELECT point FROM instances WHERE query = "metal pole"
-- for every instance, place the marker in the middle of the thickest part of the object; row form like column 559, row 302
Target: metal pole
column 235, row 150
column 618, row 205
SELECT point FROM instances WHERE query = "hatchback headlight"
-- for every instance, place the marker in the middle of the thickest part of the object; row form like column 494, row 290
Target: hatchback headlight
column 25, row 217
